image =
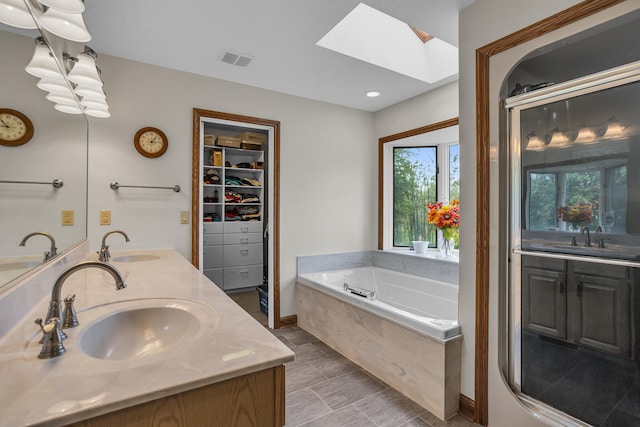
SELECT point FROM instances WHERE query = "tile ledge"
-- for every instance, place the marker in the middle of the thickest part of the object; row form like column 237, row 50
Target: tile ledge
column 431, row 254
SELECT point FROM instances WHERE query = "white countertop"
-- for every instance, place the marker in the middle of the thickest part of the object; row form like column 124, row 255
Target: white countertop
column 74, row 386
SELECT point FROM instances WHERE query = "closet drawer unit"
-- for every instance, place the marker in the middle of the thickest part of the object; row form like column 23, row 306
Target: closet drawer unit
column 212, row 257
column 212, row 228
column 242, row 238
column 216, row 275
column 238, row 255
column 212, row 239
column 243, row 227
column 242, row 277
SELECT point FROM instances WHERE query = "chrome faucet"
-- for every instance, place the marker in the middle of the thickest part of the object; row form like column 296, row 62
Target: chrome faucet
column 53, row 251
column 50, row 349
column 103, row 253
column 587, row 240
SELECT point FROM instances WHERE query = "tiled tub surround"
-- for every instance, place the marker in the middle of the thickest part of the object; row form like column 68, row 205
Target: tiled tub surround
column 423, row 367
column 74, row 386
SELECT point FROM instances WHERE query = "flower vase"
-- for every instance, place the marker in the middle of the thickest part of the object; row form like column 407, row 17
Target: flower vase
column 446, row 245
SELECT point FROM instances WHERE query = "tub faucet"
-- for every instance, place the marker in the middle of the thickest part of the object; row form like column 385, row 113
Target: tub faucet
column 56, row 303
column 103, row 253
column 587, row 239
column 53, row 251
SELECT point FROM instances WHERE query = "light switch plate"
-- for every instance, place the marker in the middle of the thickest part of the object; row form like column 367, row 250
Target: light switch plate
column 184, row 217
column 105, row 217
column 67, row 217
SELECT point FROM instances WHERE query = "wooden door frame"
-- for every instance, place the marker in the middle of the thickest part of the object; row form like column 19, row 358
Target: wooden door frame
column 483, row 56
column 195, row 194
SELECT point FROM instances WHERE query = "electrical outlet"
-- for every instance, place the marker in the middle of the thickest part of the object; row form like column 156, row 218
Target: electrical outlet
column 184, row 217
column 105, row 217
column 67, row 217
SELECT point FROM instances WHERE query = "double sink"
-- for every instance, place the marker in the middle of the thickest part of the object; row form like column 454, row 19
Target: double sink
column 612, row 251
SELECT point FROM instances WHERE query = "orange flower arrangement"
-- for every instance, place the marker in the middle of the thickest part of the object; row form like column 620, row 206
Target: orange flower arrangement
column 445, row 217
column 578, row 215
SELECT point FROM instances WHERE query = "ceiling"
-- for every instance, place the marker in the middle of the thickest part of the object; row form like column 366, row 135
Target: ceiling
column 280, row 35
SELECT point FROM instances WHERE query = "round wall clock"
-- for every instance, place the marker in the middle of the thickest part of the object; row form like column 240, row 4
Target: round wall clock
column 150, row 142
column 15, row 128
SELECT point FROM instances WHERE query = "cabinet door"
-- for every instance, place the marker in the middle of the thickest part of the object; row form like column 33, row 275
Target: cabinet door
column 599, row 316
column 544, row 302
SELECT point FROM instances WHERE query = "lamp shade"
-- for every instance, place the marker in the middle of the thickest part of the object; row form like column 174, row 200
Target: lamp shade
column 534, row 143
column 16, row 14
column 67, row 6
column 96, row 112
column 69, row 26
column 43, row 65
column 94, row 103
column 559, row 139
column 54, row 85
column 62, row 99
column 69, row 109
column 90, row 92
column 586, row 136
column 614, row 130
column 84, row 71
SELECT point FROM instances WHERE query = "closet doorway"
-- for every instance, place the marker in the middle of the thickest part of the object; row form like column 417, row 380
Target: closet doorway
column 235, row 159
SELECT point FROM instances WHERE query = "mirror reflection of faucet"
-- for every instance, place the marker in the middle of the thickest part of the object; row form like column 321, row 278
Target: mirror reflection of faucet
column 587, row 239
column 52, row 329
column 103, row 253
column 53, row 251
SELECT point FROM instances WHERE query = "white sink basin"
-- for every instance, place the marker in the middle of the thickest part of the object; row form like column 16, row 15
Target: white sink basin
column 135, row 258
column 139, row 332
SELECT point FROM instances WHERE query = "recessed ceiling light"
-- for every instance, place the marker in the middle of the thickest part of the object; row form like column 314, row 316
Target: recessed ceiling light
column 373, row 93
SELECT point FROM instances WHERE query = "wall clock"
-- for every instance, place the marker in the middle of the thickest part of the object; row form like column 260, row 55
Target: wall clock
column 15, row 128
column 150, row 142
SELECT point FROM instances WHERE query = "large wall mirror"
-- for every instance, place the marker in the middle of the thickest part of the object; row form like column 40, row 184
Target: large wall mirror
column 57, row 151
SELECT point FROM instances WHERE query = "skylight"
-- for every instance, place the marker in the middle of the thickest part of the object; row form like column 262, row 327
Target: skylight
column 379, row 39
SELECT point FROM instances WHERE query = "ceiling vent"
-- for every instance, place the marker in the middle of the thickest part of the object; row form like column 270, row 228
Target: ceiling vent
column 238, row 59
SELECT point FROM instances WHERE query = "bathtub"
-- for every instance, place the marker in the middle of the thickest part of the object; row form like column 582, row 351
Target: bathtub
column 399, row 327
column 424, row 305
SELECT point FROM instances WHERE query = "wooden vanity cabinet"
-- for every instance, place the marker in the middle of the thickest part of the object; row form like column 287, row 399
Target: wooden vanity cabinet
column 252, row 400
column 584, row 303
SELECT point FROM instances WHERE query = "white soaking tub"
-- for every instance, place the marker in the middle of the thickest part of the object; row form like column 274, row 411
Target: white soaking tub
column 401, row 328
column 426, row 306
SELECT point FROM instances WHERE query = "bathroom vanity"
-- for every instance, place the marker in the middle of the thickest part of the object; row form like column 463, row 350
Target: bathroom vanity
column 170, row 347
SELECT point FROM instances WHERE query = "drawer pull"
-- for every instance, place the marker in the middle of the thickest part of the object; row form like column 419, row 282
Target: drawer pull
column 244, row 273
column 244, row 251
column 244, row 229
column 579, row 290
column 561, row 286
column 244, row 240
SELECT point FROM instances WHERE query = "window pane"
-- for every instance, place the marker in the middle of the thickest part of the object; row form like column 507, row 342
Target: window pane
column 454, row 172
column 542, row 202
column 614, row 219
column 583, row 190
column 414, row 185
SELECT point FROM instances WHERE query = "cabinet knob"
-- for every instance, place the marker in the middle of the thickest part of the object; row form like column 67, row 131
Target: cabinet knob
column 579, row 290
column 244, row 240
column 560, row 285
column 244, row 251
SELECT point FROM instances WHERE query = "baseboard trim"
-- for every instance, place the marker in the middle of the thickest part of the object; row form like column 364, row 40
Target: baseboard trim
column 467, row 408
column 289, row 321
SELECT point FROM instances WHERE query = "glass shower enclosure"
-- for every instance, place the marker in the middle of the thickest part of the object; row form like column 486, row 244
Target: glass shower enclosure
column 573, row 248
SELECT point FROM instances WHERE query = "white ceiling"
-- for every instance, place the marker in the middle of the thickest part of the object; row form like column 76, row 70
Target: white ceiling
column 281, row 35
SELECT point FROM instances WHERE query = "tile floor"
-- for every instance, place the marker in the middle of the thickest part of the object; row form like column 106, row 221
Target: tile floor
column 250, row 302
column 601, row 390
column 324, row 389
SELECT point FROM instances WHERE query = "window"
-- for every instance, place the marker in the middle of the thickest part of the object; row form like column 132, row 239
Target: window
column 417, row 170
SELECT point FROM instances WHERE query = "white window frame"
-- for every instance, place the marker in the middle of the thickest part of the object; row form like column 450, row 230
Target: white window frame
column 443, row 138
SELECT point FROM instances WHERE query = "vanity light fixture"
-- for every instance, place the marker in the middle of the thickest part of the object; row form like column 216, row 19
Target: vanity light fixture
column 62, row 98
column 559, row 139
column 43, row 64
column 57, row 85
column 16, row 14
column 90, row 92
column 69, row 26
column 614, row 130
column 534, row 143
column 373, row 94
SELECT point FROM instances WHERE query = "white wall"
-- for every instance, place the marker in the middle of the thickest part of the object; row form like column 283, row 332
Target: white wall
column 504, row 410
column 327, row 164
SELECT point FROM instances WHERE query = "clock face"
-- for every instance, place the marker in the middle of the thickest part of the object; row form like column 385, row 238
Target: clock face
column 150, row 142
column 15, row 127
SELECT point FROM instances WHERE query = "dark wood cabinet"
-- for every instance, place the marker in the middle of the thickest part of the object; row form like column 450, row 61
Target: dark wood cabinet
column 588, row 304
